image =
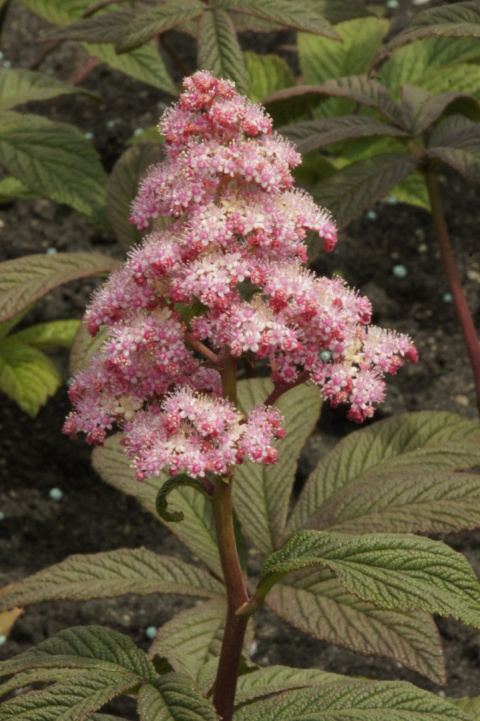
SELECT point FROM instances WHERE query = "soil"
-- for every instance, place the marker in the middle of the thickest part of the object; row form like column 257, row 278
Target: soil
column 37, row 532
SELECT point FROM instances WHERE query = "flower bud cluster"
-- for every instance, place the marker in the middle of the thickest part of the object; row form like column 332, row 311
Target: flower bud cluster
column 236, row 222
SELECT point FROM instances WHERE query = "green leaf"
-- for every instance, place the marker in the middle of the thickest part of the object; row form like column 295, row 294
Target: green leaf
column 274, row 679
column 174, row 697
column 392, row 570
column 299, row 15
column 123, row 184
column 471, row 706
column 261, row 494
column 106, row 27
column 111, row 574
column 69, row 700
column 27, row 376
column 13, row 189
column 24, row 280
column 197, row 530
column 412, row 190
column 157, row 20
column 161, row 503
column 423, row 109
column 357, row 187
column 144, row 64
column 19, row 86
column 322, row 59
column 354, row 700
column 55, row 12
column 36, row 675
column 83, row 347
column 147, row 135
column 266, row 74
column 7, row 326
column 218, row 48
column 449, row 128
column 313, row 134
column 432, row 441
column 462, row 159
column 48, row 335
column 464, row 77
column 420, row 63
column 85, row 647
column 458, row 21
column 54, row 160
column 316, row 603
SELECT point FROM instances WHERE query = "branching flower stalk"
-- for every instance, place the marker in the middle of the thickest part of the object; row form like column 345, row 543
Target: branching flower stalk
column 177, row 321
column 461, row 306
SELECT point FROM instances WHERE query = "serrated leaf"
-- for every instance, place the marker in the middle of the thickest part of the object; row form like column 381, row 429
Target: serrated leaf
column 55, row 12
column 174, row 697
column 322, row 59
column 449, row 129
column 69, row 700
column 19, row 86
column 420, row 63
column 144, row 64
column 394, row 571
column 314, row 134
column 218, row 48
column 123, row 184
column 55, row 160
column 27, row 376
column 111, row 574
column 36, row 675
column 24, row 280
column 85, row 647
column 471, row 706
column 48, row 335
column 463, row 160
column 274, row 679
column 299, row 15
column 317, row 604
column 266, row 74
column 196, row 531
column 106, row 27
column 261, row 493
column 354, row 700
column 457, row 21
column 423, row 108
column 412, row 190
column 157, row 20
column 432, row 440
column 13, row 189
column 357, row 187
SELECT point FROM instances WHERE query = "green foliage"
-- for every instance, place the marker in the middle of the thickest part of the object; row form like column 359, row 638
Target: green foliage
column 157, row 20
column 266, row 74
column 218, row 47
column 19, row 86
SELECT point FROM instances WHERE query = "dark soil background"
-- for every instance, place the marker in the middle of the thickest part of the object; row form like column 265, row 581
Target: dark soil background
column 37, row 532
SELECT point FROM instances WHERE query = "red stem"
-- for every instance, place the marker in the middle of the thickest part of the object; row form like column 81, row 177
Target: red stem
column 461, row 306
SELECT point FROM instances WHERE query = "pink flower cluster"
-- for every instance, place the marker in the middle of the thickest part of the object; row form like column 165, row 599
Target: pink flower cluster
column 233, row 254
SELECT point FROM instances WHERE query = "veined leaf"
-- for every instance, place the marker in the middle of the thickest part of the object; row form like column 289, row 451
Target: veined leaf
column 85, row 647
column 261, row 493
column 466, row 161
column 471, row 706
column 107, row 27
column 111, row 574
column 174, row 697
column 24, row 280
column 274, row 679
column 27, row 376
column 266, row 74
column 322, row 59
column 35, row 675
column 357, row 187
column 144, row 64
column 19, row 86
column 197, row 530
column 458, row 21
column 452, row 128
column 47, row 335
column 432, row 440
column 71, row 699
column 7, row 326
column 464, row 77
column 423, row 108
column 313, row 134
column 127, row 172
column 83, row 347
column 218, row 48
column 299, row 15
column 57, row 13
column 354, row 700
column 317, row 604
column 13, row 189
column 54, row 160
column 395, row 571
column 419, row 63
column 412, row 190
column 157, row 20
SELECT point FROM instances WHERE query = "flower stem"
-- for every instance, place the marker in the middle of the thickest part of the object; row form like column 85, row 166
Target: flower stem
column 235, row 626
column 461, row 306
